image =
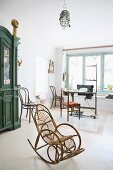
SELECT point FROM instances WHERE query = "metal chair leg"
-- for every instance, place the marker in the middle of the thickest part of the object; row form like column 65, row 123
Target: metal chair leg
column 52, row 103
column 21, row 113
column 27, row 113
column 79, row 112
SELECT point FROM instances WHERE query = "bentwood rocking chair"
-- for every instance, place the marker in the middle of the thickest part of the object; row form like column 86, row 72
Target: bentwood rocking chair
column 54, row 143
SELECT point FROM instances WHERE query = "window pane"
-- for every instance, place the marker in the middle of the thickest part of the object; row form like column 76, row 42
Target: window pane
column 91, row 62
column 75, row 71
column 108, row 70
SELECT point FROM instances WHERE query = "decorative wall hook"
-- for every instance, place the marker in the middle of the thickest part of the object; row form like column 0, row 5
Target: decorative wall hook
column 19, row 62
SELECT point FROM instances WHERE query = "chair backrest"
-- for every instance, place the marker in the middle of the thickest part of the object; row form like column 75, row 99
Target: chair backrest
column 65, row 96
column 24, row 95
column 53, row 91
column 43, row 119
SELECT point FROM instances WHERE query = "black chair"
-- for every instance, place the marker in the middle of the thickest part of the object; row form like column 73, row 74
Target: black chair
column 55, row 97
column 26, row 103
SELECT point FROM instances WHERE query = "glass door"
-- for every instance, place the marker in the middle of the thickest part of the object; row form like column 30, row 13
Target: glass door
column 6, row 66
column 75, row 71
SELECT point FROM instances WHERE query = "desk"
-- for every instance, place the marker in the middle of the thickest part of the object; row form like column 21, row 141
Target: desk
column 72, row 92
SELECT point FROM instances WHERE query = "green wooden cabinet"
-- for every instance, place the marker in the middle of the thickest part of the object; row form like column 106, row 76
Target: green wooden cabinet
column 1, row 111
column 9, row 111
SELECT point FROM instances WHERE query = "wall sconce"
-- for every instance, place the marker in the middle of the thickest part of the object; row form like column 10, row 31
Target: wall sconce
column 19, row 62
column 51, row 67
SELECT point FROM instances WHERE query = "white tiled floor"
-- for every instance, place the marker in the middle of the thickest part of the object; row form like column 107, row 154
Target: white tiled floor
column 97, row 139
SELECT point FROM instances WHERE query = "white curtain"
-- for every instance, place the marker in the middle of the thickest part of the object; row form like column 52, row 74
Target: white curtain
column 41, row 77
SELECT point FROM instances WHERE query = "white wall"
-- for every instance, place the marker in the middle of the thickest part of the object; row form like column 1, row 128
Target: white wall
column 41, row 33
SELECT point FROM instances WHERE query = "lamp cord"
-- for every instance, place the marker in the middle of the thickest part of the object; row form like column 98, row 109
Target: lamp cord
column 64, row 6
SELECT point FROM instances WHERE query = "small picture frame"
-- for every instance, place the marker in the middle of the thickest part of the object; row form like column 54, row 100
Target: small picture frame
column 64, row 76
column 51, row 67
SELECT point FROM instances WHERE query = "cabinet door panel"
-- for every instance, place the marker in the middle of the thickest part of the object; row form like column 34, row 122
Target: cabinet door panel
column 8, row 110
column 1, row 113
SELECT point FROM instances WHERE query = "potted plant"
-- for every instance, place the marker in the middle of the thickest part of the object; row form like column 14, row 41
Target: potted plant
column 109, row 87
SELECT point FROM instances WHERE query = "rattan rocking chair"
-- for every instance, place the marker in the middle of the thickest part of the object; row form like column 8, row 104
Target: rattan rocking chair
column 53, row 144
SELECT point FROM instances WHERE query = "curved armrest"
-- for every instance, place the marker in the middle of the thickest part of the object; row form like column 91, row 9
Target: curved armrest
column 75, row 130
column 66, row 124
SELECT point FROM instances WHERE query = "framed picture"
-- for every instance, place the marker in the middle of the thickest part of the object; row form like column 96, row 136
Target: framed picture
column 51, row 67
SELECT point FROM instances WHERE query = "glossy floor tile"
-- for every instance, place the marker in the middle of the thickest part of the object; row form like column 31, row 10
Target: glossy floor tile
column 97, row 139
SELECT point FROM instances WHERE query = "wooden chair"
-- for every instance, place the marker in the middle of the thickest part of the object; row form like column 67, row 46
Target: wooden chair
column 26, row 103
column 54, row 143
column 69, row 104
column 55, row 97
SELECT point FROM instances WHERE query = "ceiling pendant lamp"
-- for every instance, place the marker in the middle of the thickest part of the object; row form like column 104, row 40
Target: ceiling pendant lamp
column 64, row 17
